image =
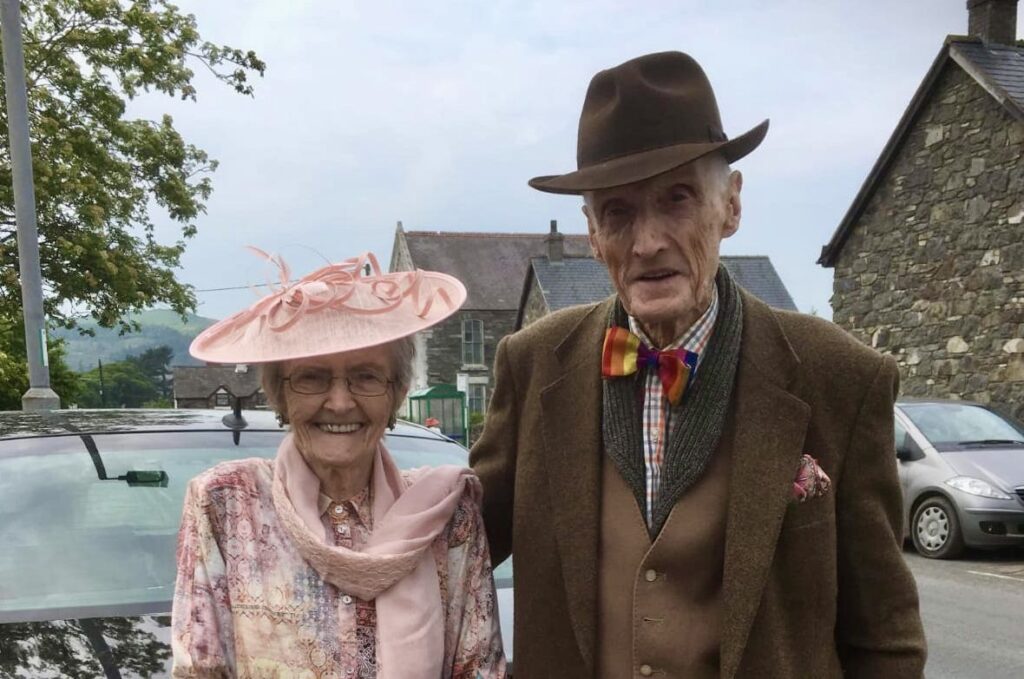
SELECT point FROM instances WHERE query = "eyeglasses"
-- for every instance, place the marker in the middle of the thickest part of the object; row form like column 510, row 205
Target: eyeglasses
column 314, row 381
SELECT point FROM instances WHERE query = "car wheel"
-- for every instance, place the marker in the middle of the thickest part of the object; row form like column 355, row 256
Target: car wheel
column 936, row 530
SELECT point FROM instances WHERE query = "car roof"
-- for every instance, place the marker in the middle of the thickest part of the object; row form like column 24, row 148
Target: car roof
column 20, row 424
column 911, row 400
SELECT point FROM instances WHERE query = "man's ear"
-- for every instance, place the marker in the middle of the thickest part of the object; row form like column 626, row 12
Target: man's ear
column 595, row 247
column 733, row 205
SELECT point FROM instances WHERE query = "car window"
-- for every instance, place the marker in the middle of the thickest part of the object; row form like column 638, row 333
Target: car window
column 503, row 574
column 957, row 423
column 410, row 452
column 79, row 538
column 89, row 523
column 900, row 434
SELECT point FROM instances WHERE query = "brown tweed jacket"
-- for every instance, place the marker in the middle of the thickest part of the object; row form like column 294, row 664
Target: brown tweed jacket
column 817, row 589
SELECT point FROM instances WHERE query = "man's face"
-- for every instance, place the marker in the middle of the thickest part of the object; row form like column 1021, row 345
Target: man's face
column 660, row 239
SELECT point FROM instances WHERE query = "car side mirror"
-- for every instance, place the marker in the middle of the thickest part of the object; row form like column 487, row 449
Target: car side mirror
column 908, row 451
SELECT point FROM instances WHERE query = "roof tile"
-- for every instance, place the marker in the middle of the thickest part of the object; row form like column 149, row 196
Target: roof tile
column 491, row 265
column 1002, row 65
column 201, row 381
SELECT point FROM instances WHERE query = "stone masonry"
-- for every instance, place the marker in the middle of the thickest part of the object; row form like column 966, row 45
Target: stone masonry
column 933, row 272
column 444, row 344
column 535, row 307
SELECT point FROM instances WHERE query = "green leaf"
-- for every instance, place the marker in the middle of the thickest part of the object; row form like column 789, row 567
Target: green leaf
column 99, row 174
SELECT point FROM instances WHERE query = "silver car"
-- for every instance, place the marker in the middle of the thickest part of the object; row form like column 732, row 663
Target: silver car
column 90, row 503
column 961, row 466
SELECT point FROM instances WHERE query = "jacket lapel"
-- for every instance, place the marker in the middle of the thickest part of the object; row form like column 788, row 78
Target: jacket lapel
column 770, row 426
column 572, row 440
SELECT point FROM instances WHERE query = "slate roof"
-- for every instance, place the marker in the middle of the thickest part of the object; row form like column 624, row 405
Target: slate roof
column 201, row 381
column 758, row 276
column 998, row 69
column 577, row 280
column 491, row 265
column 582, row 280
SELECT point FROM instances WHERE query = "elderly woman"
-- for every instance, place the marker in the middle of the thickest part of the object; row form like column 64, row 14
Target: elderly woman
column 328, row 561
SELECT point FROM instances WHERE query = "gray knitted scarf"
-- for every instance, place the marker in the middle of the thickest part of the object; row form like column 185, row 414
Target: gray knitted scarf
column 696, row 421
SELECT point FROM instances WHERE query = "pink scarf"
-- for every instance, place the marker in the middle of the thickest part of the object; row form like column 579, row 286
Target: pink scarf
column 396, row 566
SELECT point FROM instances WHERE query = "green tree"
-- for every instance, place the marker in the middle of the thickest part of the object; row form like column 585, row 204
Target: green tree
column 155, row 363
column 98, row 173
column 122, row 385
column 14, row 368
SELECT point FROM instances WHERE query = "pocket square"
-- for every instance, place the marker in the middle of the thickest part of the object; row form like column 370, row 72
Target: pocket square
column 811, row 480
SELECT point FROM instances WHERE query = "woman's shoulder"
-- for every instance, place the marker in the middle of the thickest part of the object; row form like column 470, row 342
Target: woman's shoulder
column 230, row 477
column 466, row 520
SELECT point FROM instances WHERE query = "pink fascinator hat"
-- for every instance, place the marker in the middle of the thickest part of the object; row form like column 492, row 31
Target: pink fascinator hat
column 340, row 307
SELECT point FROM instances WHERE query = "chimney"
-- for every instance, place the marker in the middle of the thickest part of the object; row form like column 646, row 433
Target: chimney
column 556, row 243
column 994, row 21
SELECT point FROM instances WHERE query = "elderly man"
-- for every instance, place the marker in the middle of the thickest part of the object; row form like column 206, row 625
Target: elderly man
column 693, row 484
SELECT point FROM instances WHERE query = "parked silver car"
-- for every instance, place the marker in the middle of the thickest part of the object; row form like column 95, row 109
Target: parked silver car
column 90, row 503
column 961, row 466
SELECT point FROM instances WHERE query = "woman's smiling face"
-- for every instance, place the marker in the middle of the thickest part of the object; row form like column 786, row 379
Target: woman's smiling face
column 337, row 428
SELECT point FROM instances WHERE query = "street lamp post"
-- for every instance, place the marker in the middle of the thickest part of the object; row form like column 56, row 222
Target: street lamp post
column 39, row 395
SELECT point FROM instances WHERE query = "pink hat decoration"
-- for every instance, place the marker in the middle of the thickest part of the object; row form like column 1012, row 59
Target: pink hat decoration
column 340, row 307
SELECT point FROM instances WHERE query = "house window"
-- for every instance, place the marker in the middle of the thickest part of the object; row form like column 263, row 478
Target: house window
column 477, row 398
column 472, row 342
column 221, row 399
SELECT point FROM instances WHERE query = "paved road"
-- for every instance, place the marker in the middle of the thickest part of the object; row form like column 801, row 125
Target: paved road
column 973, row 612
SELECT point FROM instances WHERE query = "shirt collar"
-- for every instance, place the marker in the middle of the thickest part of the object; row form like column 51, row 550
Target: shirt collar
column 695, row 338
column 357, row 505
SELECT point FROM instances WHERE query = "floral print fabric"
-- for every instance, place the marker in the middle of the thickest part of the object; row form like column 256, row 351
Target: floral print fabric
column 248, row 605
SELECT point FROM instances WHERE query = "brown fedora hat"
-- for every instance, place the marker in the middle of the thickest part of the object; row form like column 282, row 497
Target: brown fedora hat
column 649, row 115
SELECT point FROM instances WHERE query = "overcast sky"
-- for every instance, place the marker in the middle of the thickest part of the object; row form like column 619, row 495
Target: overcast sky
column 437, row 113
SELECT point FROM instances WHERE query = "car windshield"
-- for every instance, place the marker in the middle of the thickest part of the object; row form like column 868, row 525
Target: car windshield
column 89, row 523
column 954, row 425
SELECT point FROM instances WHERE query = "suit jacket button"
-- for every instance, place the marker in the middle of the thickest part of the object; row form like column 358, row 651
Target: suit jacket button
column 646, row 670
column 651, row 575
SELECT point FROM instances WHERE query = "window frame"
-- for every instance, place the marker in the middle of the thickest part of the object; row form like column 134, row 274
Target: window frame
column 482, row 398
column 474, row 346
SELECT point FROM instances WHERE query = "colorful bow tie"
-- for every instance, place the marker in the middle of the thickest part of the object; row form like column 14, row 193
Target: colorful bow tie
column 624, row 354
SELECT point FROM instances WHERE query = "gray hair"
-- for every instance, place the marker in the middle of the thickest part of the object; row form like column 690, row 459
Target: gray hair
column 718, row 170
column 403, row 353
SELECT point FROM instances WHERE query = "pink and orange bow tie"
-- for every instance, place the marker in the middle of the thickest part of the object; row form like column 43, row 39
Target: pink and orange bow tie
column 624, row 354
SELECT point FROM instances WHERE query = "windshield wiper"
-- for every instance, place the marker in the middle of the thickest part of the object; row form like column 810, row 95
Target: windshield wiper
column 991, row 442
column 141, row 477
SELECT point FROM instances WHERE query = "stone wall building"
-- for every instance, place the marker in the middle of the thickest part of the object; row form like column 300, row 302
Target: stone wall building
column 217, row 386
column 460, row 351
column 556, row 281
column 929, row 259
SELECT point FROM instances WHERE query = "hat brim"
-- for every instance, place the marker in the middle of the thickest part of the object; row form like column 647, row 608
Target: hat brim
column 643, row 165
column 245, row 338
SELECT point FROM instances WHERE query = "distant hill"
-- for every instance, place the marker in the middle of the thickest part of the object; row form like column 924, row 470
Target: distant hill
column 159, row 326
